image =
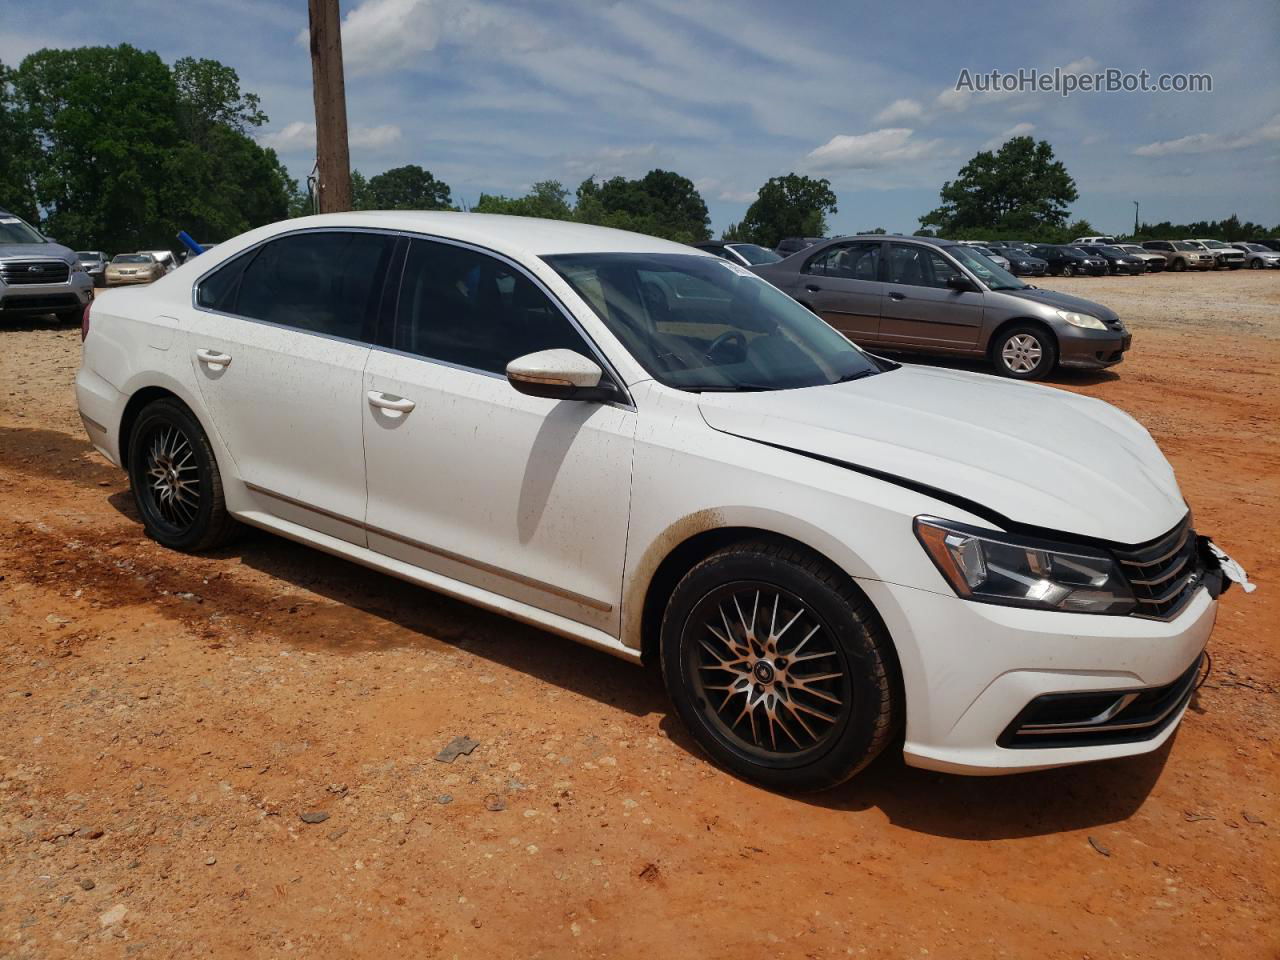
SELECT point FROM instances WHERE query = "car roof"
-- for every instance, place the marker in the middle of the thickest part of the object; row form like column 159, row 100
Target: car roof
column 526, row 236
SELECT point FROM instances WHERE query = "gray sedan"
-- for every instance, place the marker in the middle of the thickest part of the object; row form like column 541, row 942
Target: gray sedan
column 925, row 295
column 1258, row 257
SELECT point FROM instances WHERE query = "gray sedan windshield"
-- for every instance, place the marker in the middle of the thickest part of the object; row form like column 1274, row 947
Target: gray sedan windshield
column 701, row 323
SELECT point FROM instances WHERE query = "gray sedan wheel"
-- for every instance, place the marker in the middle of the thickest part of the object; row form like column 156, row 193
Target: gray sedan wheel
column 1025, row 352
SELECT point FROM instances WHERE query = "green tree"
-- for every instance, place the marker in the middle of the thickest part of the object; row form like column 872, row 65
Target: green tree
column 1021, row 188
column 404, row 188
column 18, row 153
column 128, row 151
column 661, row 202
column 547, row 199
column 790, row 206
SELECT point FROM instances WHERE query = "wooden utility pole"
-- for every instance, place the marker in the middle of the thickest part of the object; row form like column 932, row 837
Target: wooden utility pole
column 333, row 180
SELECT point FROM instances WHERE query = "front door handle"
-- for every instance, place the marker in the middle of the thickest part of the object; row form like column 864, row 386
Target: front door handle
column 212, row 357
column 389, row 402
column 895, row 295
column 812, row 288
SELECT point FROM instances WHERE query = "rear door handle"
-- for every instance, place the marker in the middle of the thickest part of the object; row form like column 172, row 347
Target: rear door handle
column 212, row 357
column 895, row 295
column 389, row 402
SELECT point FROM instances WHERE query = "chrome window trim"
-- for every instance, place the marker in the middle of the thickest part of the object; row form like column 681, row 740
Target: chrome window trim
column 606, row 364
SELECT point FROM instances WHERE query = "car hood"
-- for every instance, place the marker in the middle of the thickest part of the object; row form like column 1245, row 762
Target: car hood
column 53, row 251
column 1033, row 454
column 1065, row 301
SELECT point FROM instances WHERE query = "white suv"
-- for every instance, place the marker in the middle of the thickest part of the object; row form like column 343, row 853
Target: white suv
column 653, row 451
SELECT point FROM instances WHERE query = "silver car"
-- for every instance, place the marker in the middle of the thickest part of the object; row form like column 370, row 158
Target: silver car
column 924, row 295
column 1258, row 257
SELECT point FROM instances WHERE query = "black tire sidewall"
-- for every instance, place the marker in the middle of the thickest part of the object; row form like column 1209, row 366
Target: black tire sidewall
column 168, row 412
column 1048, row 352
column 849, row 748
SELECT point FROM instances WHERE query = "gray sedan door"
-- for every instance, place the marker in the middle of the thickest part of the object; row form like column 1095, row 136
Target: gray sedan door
column 840, row 284
column 919, row 309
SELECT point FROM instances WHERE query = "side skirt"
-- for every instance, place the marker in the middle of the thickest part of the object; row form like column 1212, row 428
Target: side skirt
column 465, row 592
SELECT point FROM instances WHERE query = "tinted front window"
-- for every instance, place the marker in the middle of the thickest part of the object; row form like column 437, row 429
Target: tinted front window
column 465, row 307
column 921, row 266
column 754, row 254
column 323, row 282
column 848, row 261
column 132, row 258
column 700, row 324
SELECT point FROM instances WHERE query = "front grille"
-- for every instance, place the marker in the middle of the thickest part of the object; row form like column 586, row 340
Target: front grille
column 34, row 271
column 1163, row 574
column 1113, row 716
column 32, row 303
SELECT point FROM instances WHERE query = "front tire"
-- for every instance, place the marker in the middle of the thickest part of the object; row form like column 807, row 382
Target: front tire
column 175, row 479
column 1068, row 270
column 779, row 666
column 1255, row 264
column 1025, row 352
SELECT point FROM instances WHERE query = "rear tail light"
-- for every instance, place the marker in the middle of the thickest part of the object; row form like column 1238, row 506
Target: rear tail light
column 84, row 321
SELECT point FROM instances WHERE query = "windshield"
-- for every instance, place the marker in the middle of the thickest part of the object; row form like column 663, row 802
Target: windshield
column 1183, row 245
column 1214, row 244
column 695, row 323
column 1255, row 247
column 754, row 254
column 988, row 271
column 1111, row 251
column 131, row 258
column 14, row 230
column 88, row 255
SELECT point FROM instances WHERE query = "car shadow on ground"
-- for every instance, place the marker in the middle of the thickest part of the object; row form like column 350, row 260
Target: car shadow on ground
column 28, row 323
column 1071, row 376
column 958, row 807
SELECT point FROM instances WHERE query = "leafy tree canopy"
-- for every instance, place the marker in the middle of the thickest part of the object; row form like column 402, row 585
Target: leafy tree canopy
column 401, row 188
column 1021, row 188
column 790, row 206
column 117, row 151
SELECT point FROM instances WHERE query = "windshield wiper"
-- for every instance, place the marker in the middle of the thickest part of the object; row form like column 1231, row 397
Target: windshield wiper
column 729, row 387
column 858, row 375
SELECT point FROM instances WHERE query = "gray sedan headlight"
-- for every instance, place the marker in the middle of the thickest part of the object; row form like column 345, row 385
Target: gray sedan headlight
column 994, row 567
column 1086, row 320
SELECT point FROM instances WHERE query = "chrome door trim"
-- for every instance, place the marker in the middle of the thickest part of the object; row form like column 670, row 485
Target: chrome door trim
column 440, row 551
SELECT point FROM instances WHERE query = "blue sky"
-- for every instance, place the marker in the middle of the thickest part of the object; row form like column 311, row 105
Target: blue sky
column 491, row 96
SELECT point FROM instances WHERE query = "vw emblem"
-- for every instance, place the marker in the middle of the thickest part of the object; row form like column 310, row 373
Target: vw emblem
column 34, row 268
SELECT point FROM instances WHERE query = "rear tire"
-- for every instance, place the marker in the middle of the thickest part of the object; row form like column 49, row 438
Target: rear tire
column 1025, row 351
column 175, row 479
column 732, row 640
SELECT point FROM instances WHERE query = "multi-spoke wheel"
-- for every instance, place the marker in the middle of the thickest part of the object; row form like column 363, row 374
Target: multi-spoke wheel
column 1025, row 352
column 779, row 666
column 175, row 479
column 766, row 669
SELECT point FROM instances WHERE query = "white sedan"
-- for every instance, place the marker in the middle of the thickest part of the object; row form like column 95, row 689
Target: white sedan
column 650, row 450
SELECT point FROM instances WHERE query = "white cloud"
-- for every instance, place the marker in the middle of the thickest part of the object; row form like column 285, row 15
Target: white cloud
column 869, row 151
column 904, row 109
column 291, row 137
column 614, row 161
column 1017, row 130
column 383, row 35
column 1213, row 142
column 301, row 136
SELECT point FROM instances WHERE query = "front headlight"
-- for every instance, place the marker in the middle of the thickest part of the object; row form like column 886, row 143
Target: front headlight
column 1086, row 320
column 993, row 567
column 78, row 268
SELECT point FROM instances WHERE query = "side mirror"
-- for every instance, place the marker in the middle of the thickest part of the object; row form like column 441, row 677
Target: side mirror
column 961, row 284
column 559, row 375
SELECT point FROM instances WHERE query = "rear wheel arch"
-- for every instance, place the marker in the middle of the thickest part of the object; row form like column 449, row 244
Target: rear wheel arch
column 140, row 400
